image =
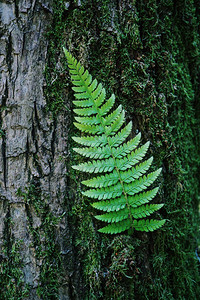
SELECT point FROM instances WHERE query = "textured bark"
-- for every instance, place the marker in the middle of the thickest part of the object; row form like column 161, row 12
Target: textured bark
column 32, row 142
column 147, row 53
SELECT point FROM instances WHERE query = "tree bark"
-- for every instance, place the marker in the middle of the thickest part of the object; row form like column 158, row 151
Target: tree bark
column 31, row 146
column 147, row 54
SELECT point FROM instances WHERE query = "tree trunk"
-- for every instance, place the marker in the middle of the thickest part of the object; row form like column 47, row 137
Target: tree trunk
column 35, row 236
column 147, row 54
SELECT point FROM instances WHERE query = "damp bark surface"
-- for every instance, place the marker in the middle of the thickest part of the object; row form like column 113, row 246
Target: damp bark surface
column 147, row 53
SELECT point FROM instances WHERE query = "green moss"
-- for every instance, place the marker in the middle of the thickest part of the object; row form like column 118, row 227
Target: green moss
column 55, row 90
column 12, row 284
column 47, row 249
column 147, row 53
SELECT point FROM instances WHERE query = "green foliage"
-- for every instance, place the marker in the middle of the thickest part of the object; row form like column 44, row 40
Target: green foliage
column 124, row 172
column 146, row 53
column 46, row 248
column 55, row 87
column 12, row 285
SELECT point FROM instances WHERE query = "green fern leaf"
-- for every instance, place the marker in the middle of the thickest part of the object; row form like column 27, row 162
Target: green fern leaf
column 85, row 111
column 112, row 217
column 93, row 129
column 100, row 98
column 142, row 198
column 145, row 210
column 107, row 106
column 117, row 227
column 126, row 148
column 88, row 120
column 142, row 183
column 81, row 89
column 119, row 203
column 105, row 193
column 116, row 125
column 132, row 158
column 122, row 189
column 103, row 181
column 83, row 103
column 91, row 141
column 94, row 152
column 97, row 166
column 112, row 205
column 83, row 95
column 122, row 214
column 136, row 172
column 120, row 137
column 148, row 225
column 112, row 178
column 112, row 116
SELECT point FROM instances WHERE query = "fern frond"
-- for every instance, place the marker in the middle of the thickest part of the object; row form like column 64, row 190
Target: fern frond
column 115, row 216
column 122, row 214
column 91, row 141
column 121, row 182
column 92, row 129
column 119, row 203
column 116, row 125
column 94, row 152
column 107, row 106
column 88, row 120
column 128, row 147
column 111, row 205
column 134, row 173
column 83, row 95
column 142, row 198
column 96, row 92
column 92, row 86
column 101, row 98
column 83, row 103
column 112, row 116
column 120, row 137
column 112, row 178
column 81, row 89
column 133, row 158
column 85, row 111
column 142, row 183
column 145, row 210
column 142, row 225
column 117, row 227
column 98, row 166
column 148, row 225
column 102, row 181
column 105, row 193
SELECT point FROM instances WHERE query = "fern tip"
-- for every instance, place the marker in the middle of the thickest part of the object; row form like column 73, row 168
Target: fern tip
column 67, row 53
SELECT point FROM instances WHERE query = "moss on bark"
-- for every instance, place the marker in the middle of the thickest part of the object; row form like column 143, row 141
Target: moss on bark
column 147, row 53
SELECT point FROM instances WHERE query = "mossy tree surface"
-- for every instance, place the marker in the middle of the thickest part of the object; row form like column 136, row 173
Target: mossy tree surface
column 147, row 54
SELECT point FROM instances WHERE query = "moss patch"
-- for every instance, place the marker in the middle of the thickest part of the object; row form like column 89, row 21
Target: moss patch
column 147, row 53
column 12, row 284
column 47, row 249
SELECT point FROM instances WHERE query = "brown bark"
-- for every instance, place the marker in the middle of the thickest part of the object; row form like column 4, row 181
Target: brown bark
column 32, row 143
